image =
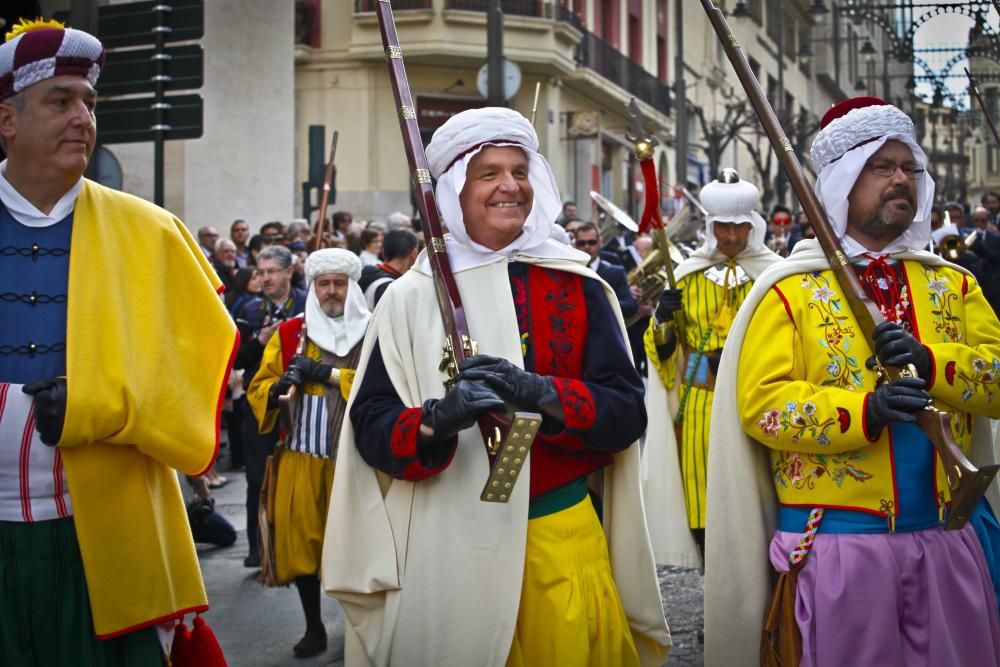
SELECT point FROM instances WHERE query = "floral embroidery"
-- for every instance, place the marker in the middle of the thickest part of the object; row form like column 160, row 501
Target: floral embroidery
column 799, row 471
column 943, row 299
column 798, row 421
column 843, row 369
column 985, row 377
column 770, row 423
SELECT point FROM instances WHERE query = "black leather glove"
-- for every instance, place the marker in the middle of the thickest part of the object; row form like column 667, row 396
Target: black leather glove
column 522, row 388
column 670, row 302
column 897, row 401
column 459, row 408
column 291, row 377
column 50, row 408
column 311, row 370
column 895, row 347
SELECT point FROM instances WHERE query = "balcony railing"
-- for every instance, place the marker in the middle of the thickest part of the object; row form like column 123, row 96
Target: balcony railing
column 510, row 7
column 369, row 5
column 596, row 54
column 567, row 15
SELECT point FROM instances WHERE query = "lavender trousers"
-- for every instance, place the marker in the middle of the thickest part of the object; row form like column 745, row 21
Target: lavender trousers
column 922, row 598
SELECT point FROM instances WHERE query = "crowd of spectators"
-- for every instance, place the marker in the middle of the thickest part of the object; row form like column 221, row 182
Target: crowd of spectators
column 263, row 276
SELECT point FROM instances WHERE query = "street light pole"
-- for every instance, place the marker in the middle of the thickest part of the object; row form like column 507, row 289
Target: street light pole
column 680, row 95
column 494, row 55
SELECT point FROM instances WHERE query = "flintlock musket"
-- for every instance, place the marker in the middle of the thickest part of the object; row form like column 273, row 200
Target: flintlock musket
column 507, row 440
column 967, row 483
column 325, row 194
column 982, row 104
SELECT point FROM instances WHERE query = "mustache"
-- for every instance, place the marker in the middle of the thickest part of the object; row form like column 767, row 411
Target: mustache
column 900, row 192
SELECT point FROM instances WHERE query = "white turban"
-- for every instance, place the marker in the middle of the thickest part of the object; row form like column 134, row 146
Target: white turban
column 336, row 335
column 730, row 202
column 333, row 260
column 843, row 147
column 454, row 145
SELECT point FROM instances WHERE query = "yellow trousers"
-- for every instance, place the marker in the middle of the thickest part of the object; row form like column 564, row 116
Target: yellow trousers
column 694, row 452
column 301, row 501
column 570, row 613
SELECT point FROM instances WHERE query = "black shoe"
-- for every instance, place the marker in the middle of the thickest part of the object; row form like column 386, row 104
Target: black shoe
column 253, row 560
column 311, row 644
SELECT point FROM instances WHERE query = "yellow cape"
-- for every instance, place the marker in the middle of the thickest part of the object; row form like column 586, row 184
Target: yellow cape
column 149, row 346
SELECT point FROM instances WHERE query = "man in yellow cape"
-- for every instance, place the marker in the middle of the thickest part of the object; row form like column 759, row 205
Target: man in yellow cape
column 115, row 355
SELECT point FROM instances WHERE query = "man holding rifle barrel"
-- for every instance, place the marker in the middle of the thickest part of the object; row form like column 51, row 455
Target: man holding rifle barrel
column 711, row 285
column 859, row 496
column 427, row 573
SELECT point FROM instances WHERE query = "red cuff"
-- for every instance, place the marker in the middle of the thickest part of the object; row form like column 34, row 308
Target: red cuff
column 405, row 433
column 417, row 471
column 577, row 403
column 864, row 420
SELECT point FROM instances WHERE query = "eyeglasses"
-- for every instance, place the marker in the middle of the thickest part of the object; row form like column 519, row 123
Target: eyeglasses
column 583, row 243
column 887, row 169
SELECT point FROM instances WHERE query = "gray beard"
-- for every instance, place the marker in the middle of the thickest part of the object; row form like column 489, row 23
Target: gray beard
column 333, row 309
column 881, row 228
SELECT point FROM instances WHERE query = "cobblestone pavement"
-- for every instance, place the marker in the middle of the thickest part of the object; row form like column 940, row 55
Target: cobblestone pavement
column 681, row 591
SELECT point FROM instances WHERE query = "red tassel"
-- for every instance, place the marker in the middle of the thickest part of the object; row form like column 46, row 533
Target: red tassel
column 180, row 649
column 205, row 649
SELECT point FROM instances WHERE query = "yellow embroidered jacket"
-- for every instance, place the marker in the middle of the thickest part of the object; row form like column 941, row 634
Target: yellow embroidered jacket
column 803, row 383
column 149, row 346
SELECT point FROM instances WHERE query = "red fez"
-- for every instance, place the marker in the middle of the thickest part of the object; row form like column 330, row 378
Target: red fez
column 842, row 108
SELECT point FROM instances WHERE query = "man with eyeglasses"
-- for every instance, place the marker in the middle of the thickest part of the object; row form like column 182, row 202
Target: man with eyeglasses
column 588, row 239
column 817, row 466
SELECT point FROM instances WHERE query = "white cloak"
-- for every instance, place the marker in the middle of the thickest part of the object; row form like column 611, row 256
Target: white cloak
column 430, row 574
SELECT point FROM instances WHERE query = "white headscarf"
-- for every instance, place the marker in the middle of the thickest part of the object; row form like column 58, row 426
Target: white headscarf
column 453, row 146
column 336, row 335
column 841, row 150
column 728, row 201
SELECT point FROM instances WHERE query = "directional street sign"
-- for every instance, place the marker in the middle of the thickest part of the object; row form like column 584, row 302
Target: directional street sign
column 143, row 58
column 132, row 72
column 134, row 119
column 136, row 23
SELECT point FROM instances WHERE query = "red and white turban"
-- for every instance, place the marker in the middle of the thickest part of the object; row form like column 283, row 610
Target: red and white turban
column 851, row 132
column 39, row 50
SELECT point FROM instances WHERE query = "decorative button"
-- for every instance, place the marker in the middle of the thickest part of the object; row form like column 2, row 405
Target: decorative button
column 32, row 348
column 33, row 299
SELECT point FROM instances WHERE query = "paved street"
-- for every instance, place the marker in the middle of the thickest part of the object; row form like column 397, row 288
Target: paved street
column 258, row 626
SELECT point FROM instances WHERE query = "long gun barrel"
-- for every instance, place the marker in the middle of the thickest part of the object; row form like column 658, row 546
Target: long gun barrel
column 507, row 438
column 325, row 194
column 982, row 103
column 967, row 483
